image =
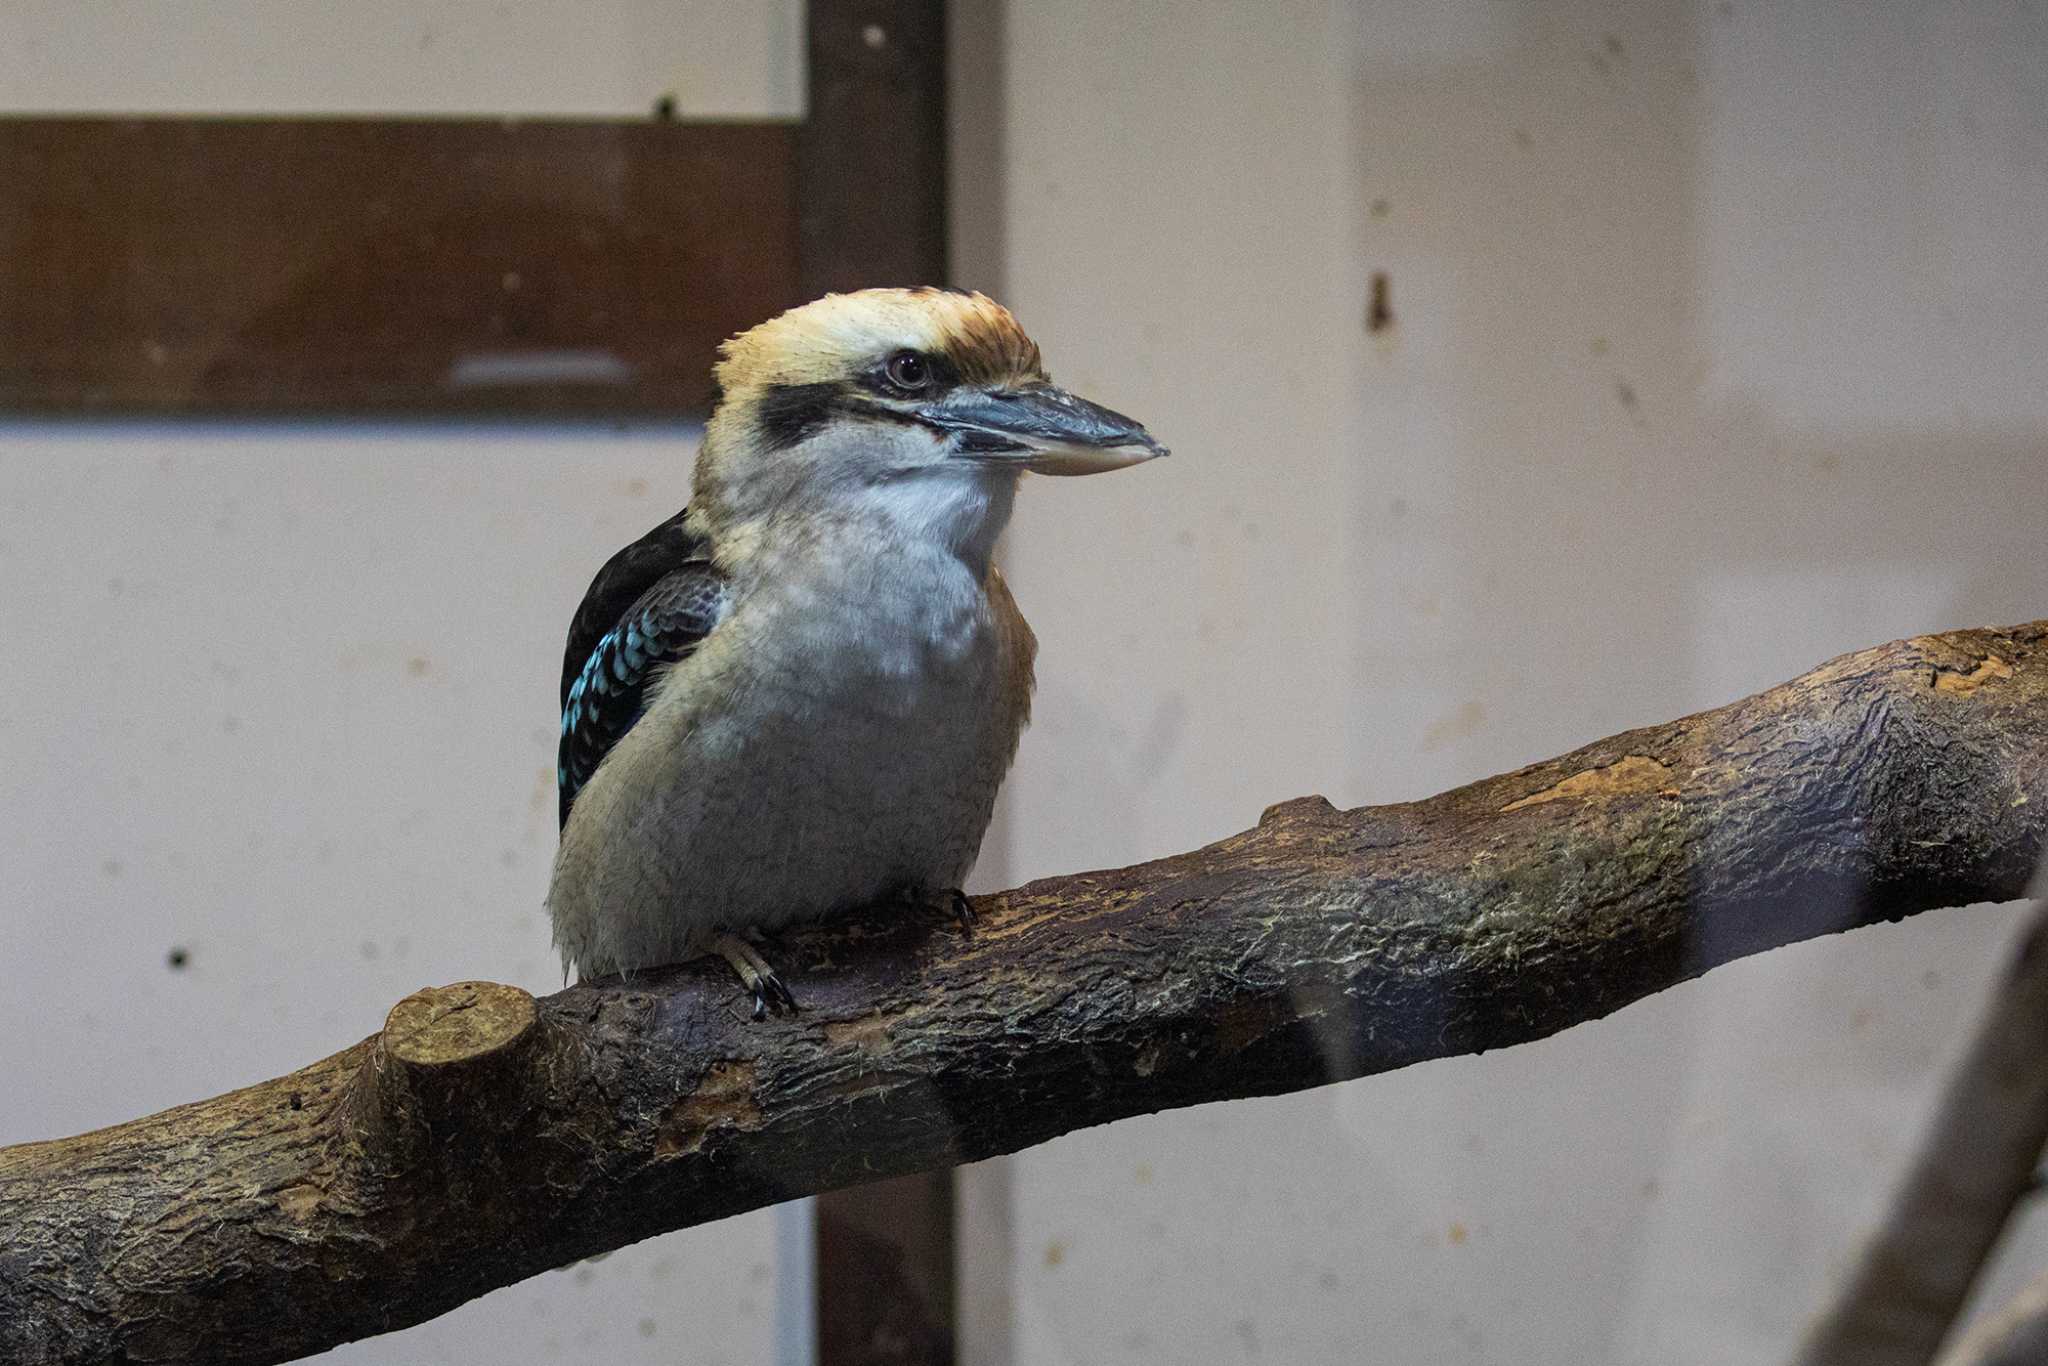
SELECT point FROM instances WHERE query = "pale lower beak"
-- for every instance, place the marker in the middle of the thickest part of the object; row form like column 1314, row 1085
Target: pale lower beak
column 1040, row 428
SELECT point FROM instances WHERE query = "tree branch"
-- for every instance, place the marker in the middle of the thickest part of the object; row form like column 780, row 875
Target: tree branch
column 1975, row 1165
column 2016, row 1334
column 484, row 1136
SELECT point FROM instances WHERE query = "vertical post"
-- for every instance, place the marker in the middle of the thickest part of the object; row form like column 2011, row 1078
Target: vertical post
column 871, row 157
column 885, row 1273
column 871, row 205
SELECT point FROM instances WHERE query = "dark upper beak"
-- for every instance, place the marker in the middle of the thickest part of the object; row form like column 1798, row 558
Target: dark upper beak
column 1041, row 428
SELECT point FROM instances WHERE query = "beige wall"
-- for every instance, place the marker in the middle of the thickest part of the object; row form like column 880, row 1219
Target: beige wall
column 283, row 698
column 284, row 694
column 1717, row 353
column 598, row 58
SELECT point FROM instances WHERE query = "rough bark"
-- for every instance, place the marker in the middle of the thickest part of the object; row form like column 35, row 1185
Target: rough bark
column 1978, row 1160
column 483, row 1136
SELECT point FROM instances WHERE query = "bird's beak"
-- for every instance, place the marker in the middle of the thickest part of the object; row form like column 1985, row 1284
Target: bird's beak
column 1040, row 428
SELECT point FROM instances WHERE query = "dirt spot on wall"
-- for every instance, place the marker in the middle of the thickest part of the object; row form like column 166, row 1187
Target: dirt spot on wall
column 1463, row 722
column 1379, row 304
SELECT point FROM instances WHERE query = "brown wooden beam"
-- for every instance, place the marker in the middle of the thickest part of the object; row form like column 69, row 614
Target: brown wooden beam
column 871, row 161
column 872, row 151
column 280, row 266
column 885, row 1272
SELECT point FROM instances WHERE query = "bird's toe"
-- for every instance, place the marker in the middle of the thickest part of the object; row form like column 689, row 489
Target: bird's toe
column 770, row 994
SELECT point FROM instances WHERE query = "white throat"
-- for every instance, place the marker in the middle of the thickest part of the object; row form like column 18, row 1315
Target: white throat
column 962, row 509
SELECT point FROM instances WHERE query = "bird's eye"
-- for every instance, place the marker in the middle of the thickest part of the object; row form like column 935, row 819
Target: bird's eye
column 908, row 370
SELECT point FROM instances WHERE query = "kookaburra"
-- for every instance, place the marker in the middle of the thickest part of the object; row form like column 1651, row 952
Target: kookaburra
column 799, row 694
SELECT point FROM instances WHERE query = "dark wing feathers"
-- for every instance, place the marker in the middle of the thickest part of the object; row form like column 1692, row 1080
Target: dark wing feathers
column 620, row 583
column 648, row 607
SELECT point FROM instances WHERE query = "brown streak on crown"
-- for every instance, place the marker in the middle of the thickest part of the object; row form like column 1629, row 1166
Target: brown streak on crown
column 826, row 340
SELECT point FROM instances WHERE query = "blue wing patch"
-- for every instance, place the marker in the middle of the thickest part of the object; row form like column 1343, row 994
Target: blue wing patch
column 608, row 692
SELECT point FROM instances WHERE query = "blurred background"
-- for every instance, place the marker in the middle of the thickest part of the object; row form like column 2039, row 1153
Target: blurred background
column 1533, row 371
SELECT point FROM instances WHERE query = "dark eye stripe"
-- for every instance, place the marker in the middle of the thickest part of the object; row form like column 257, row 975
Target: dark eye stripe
column 791, row 412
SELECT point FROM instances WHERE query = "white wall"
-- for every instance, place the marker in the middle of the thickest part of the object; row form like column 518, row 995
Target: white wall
column 283, row 699
column 1719, row 351
column 488, row 58
column 284, row 695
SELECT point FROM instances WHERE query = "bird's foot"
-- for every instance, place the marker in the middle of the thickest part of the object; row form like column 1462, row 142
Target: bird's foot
column 756, row 973
column 951, row 902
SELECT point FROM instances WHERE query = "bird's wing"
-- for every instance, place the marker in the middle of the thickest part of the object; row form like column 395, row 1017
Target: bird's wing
column 647, row 608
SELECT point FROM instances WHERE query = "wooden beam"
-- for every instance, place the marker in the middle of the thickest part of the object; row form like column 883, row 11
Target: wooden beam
column 872, row 151
column 871, row 161
column 393, row 266
column 885, row 1272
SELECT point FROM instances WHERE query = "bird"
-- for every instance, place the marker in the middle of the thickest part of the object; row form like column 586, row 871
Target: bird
column 799, row 695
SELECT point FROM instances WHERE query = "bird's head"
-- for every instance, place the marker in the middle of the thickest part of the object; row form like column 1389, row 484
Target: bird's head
column 921, row 406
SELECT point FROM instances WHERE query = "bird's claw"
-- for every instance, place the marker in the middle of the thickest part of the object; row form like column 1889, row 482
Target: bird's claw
column 771, row 996
column 779, row 994
column 770, row 993
column 963, row 912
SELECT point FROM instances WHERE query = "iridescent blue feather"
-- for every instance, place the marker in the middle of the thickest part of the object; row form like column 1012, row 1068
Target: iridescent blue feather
column 647, row 608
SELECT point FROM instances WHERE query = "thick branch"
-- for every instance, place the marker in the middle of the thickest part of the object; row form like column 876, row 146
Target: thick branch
column 1976, row 1163
column 483, row 1137
column 2016, row 1334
